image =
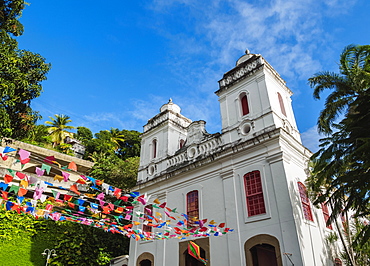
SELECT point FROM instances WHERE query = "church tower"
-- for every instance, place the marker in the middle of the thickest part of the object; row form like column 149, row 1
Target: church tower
column 254, row 98
column 163, row 135
column 250, row 176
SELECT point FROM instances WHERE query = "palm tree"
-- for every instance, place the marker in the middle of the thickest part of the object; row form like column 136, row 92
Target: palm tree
column 353, row 81
column 58, row 128
column 341, row 167
column 116, row 137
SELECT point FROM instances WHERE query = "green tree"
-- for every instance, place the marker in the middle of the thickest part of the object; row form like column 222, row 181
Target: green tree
column 130, row 147
column 116, row 137
column 21, row 74
column 84, row 134
column 58, row 128
column 38, row 134
column 340, row 172
column 115, row 171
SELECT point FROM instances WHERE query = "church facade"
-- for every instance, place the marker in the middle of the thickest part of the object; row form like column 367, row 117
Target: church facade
column 250, row 176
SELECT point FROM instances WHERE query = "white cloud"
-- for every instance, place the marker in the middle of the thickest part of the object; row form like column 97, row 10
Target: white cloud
column 310, row 139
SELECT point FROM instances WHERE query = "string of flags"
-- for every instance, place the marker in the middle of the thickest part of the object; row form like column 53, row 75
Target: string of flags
column 93, row 202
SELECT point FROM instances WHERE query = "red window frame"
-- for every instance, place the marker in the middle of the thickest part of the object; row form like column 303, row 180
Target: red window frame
column 147, row 228
column 244, row 104
column 281, row 102
column 254, row 193
column 325, row 212
column 306, row 207
column 181, row 143
column 192, row 206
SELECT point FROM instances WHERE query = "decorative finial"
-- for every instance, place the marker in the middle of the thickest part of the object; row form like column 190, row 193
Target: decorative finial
column 247, row 51
column 170, row 100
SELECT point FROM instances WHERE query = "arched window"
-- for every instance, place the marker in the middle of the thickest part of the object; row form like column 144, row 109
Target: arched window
column 192, row 206
column 154, row 148
column 305, row 202
column 145, row 259
column 325, row 212
column 244, row 104
column 254, row 193
column 145, row 263
column 281, row 102
column 148, row 209
column 263, row 250
column 181, row 143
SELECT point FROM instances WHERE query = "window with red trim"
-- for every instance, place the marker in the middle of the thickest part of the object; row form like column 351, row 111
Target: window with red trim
column 325, row 212
column 281, row 102
column 192, row 206
column 254, row 193
column 154, row 148
column 148, row 209
column 181, row 143
column 305, row 202
column 244, row 104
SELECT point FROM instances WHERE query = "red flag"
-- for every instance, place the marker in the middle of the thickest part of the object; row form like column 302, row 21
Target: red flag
column 8, row 179
column 74, row 189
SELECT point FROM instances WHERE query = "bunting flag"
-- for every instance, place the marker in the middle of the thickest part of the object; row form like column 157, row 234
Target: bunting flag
column 194, row 251
column 109, row 208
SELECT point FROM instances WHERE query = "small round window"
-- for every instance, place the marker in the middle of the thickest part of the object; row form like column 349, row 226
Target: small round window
column 245, row 129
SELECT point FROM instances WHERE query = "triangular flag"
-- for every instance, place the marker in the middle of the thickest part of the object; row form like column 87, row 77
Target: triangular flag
column 39, row 171
column 8, row 149
column 49, row 159
column 8, row 179
column 25, row 161
column 11, row 172
column 58, row 177
column 72, row 166
column 46, row 168
column 22, row 192
column 20, row 175
column 13, row 188
column 74, row 189
column 24, row 183
column 65, row 176
column 23, row 154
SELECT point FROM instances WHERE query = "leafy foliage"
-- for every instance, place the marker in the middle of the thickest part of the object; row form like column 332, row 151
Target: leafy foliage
column 83, row 134
column 340, row 169
column 21, row 74
column 58, row 128
column 115, row 171
column 23, row 239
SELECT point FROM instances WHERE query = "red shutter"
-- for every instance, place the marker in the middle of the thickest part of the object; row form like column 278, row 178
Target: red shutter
column 254, row 193
column 244, row 103
column 325, row 212
column 305, row 202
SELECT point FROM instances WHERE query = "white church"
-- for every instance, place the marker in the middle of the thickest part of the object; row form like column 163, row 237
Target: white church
column 250, row 176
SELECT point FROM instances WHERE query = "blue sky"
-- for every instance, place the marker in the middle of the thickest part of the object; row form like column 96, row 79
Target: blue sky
column 114, row 63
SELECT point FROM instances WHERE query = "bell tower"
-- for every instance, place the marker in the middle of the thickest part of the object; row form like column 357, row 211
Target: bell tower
column 164, row 134
column 253, row 99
